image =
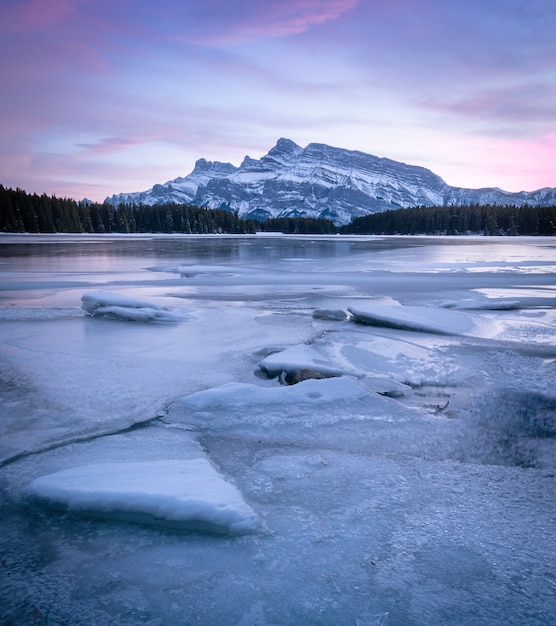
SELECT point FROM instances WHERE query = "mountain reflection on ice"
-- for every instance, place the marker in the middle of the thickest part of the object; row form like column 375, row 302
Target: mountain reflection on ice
column 411, row 483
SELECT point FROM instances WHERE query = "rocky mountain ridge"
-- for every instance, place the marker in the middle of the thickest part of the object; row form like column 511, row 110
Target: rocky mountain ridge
column 320, row 181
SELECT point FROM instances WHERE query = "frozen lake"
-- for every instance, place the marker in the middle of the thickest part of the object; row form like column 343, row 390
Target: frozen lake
column 156, row 468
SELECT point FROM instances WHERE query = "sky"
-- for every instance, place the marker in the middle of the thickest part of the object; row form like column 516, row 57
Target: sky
column 108, row 96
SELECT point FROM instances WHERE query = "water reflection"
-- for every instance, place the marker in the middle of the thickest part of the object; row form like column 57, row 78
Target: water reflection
column 87, row 253
column 63, row 253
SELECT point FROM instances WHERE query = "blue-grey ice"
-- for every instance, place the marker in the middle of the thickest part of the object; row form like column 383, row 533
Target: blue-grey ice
column 167, row 473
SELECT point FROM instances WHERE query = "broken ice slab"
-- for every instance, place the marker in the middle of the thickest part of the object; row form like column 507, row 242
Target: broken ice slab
column 185, row 494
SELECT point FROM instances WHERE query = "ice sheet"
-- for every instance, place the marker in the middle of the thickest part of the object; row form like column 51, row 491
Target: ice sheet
column 414, row 487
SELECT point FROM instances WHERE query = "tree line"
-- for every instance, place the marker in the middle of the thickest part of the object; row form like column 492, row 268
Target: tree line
column 299, row 226
column 458, row 220
column 21, row 212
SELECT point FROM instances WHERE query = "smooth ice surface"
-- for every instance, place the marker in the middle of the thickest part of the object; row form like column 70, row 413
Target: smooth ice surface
column 416, row 486
column 493, row 304
column 181, row 494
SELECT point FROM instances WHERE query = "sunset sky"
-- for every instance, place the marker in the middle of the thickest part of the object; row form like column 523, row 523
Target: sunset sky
column 106, row 96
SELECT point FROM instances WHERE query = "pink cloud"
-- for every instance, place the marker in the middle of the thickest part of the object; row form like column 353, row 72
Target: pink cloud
column 473, row 161
column 511, row 110
column 35, row 15
column 213, row 22
column 112, row 145
column 289, row 18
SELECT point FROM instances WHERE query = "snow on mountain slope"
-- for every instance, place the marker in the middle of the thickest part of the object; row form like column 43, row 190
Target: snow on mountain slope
column 319, row 181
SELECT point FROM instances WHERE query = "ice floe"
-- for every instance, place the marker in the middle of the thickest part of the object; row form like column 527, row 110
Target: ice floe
column 289, row 413
column 185, row 494
column 299, row 357
column 115, row 306
column 243, row 395
column 416, row 318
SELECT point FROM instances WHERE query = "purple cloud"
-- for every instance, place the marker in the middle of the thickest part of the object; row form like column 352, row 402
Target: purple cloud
column 246, row 20
column 512, row 110
column 194, row 21
column 35, row 15
column 112, row 145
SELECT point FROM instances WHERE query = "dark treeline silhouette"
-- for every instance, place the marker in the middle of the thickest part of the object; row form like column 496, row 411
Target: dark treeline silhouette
column 458, row 220
column 299, row 226
column 21, row 212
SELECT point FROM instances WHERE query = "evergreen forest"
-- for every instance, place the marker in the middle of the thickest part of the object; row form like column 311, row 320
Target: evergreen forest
column 21, row 212
column 458, row 220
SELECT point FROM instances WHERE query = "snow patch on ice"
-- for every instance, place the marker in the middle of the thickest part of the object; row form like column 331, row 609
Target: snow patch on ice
column 189, row 495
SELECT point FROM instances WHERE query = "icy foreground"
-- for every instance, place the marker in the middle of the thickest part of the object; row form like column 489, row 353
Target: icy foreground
column 165, row 473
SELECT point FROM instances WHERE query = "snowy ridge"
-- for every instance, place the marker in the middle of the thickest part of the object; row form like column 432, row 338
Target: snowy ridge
column 319, row 181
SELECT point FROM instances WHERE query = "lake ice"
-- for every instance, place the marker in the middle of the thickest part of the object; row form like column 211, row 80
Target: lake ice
column 157, row 469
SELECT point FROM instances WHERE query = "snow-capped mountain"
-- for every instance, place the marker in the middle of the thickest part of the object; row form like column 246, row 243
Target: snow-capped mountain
column 319, row 181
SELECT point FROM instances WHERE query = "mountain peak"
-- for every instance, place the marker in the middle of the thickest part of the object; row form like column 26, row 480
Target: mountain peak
column 285, row 148
column 201, row 165
column 320, row 181
column 287, row 145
